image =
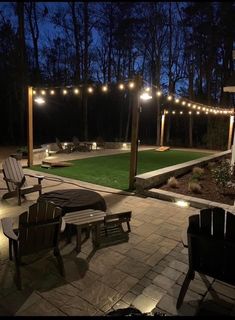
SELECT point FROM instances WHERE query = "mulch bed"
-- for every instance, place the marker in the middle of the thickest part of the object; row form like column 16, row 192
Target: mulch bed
column 210, row 191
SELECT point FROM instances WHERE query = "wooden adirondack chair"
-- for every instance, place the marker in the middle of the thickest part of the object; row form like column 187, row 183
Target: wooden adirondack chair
column 38, row 230
column 211, row 247
column 16, row 182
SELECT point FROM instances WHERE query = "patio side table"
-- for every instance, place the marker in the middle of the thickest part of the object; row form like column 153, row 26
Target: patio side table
column 86, row 218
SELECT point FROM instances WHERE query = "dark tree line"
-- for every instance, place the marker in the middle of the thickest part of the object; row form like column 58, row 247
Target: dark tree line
column 182, row 47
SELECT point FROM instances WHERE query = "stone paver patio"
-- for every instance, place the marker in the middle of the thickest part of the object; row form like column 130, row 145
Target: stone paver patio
column 147, row 272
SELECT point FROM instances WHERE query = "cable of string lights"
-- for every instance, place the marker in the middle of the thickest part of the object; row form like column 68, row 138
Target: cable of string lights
column 129, row 84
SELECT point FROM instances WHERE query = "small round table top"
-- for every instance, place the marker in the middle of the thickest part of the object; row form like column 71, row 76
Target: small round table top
column 75, row 199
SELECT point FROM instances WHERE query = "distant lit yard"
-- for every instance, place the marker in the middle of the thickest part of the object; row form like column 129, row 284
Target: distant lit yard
column 113, row 171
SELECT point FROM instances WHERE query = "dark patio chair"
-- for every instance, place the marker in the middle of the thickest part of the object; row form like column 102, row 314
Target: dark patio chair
column 64, row 148
column 16, row 180
column 211, row 247
column 113, row 232
column 38, row 230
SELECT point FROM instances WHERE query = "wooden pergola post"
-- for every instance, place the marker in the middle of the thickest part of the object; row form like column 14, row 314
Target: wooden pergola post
column 30, row 126
column 134, row 131
column 230, row 133
column 162, row 129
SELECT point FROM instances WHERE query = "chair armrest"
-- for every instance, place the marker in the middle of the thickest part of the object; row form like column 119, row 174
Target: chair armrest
column 63, row 225
column 40, row 178
column 7, row 227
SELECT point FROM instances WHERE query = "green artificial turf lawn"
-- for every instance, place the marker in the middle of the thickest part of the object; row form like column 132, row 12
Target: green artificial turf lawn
column 113, row 170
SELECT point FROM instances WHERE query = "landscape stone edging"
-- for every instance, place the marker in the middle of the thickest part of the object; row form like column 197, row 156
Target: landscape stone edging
column 154, row 178
column 194, row 202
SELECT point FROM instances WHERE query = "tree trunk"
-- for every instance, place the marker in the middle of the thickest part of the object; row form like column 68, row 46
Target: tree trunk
column 76, row 35
column 22, row 71
column 85, row 75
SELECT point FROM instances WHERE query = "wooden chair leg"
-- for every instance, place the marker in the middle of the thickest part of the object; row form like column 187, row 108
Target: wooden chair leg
column 60, row 261
column 10, row 249
column 19, row 197
column 189, row 276
column 17, row 265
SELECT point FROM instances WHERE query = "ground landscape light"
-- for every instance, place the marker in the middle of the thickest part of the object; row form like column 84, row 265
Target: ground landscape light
column 182, row 203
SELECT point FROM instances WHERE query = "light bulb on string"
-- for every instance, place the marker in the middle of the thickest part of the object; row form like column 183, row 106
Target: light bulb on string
column 52, row 92
column 76, row 91
column 121, row 86
column 104, row 88
column 131, row 85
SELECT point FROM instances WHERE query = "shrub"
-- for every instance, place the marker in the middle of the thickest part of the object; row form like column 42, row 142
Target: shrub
column 211, row 165
column 199, row 171
column 172, row 182
column 194, row 187
column 222, row 173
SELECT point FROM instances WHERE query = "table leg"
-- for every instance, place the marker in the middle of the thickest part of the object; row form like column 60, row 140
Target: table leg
column 96, row 237
column 79, row 239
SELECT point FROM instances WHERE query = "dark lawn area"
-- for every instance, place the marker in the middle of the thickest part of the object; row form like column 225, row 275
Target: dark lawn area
column 113, row 171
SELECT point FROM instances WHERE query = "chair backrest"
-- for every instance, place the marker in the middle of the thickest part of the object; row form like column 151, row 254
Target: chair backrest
column 211, row 244
column 39, row 228
column 12, row 169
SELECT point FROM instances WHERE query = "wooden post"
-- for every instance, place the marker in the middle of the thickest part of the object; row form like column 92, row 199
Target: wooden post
column 134, row 132
column 230, row 132
column 30, row 126
column 162, row 129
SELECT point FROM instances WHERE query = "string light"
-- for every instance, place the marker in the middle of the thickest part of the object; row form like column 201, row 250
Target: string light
column 190, row 112
column 198, row 112
column 39, row 100
column 131, row 85
column 173, row 112
column 104, row 88
column 181, row 112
